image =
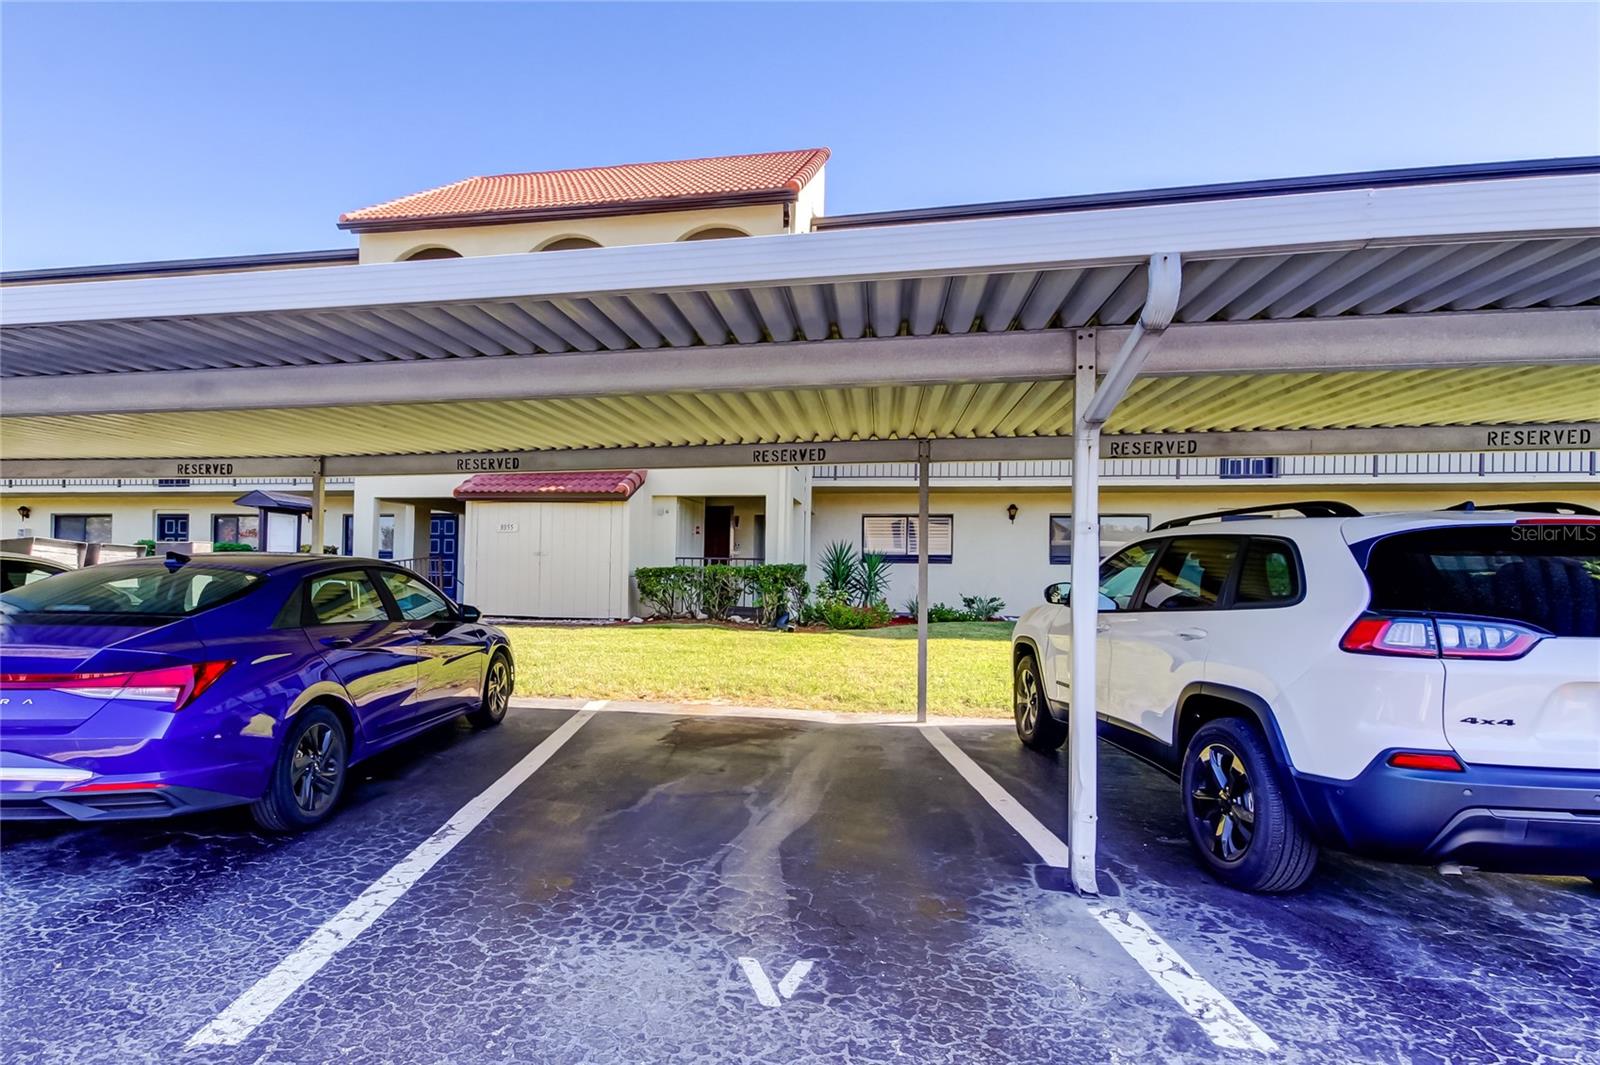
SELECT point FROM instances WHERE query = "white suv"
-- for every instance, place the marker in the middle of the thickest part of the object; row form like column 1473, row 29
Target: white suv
column 1420, row 687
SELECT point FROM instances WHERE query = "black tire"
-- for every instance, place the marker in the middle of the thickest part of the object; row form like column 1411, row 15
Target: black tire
column 498, row 681
column 1239, row 819
column 1035, row 727
column 309, row 775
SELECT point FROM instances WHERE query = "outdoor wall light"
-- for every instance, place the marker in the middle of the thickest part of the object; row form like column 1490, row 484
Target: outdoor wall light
column 1011, row 512
column 25, row 512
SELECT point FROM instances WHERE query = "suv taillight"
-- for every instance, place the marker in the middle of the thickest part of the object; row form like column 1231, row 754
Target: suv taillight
column 176, row 685
column 1438, row 637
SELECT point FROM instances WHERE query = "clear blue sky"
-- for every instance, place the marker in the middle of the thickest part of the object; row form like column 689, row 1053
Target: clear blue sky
column 135, row 132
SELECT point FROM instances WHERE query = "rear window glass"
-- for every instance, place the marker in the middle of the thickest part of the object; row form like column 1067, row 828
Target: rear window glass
column 1268, row 574
column 1546, row 575
column 142, row 590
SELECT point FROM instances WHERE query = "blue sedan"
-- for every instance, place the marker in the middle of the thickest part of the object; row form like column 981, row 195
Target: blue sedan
column 158, row 686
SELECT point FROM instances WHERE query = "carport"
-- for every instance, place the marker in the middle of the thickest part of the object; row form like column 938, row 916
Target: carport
column 1453, row 309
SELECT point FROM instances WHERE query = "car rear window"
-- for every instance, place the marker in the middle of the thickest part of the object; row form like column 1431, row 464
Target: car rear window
column 1543, row 574
column 141, row 590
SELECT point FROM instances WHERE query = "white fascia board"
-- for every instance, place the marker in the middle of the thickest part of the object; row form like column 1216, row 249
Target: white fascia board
column 1565, row 437
column 1517, row 208
column 1387, row 342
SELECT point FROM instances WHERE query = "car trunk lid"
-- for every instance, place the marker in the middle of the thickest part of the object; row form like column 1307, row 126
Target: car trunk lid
column 1516, row 610
column 55, row 677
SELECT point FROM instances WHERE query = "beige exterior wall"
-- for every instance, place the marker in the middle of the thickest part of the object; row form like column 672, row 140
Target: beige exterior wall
column 993, row 556
column 517, row 238
column 133, row 515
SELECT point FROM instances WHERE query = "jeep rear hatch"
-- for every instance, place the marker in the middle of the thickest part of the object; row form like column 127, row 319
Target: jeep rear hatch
column 1513, row 610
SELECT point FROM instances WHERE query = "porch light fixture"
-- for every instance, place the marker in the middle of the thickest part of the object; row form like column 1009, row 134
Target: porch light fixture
column 24, row 512
column 1011, row 512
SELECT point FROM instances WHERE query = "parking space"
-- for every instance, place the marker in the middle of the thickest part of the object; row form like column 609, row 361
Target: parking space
column 719, row 888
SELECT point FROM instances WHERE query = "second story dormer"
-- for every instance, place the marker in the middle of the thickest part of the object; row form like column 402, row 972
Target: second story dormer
column 608, row 206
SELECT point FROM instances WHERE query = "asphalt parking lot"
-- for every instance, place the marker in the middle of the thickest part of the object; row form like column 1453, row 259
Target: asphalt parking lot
column 713, row 889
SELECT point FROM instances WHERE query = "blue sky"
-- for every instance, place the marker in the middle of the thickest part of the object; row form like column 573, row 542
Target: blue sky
column 133, row 132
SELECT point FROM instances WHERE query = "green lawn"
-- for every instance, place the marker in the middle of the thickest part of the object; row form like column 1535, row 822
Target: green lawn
column 873, row 671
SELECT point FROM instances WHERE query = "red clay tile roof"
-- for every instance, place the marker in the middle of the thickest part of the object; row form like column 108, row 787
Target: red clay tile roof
column 771, row 177
column 590, row 484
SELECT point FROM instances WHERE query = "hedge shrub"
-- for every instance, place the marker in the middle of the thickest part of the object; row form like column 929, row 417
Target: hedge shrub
column 714, row 591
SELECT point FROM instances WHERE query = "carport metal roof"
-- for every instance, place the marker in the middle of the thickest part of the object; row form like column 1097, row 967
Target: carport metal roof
column 1447, row 314
column 1448, row 304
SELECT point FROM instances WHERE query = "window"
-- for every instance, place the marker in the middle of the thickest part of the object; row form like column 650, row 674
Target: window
column 1191, row 573
column 172, row 528
column 432, row 253
column 15, row 572
column 1245, row 469
column 1115, row 531
column 345, row 598
column 89, row 528
column 1120, row 574
column 1541, row 574
column 716, row 233
column 385, row 535
column 570, row 244
column 146, row 589
column 236, row 529
column 894, row 536
column 1268, row 575
column 417, row 602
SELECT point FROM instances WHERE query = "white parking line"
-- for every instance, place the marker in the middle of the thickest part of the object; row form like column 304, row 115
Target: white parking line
column 234, row 1024
column 1221, row 1020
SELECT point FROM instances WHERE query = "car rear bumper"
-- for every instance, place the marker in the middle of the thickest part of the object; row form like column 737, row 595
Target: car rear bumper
column 1507, row 818
column 129, row 805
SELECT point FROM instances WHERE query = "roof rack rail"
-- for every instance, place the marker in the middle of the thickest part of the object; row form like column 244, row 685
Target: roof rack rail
column 1532, row 507
column 1306, row 508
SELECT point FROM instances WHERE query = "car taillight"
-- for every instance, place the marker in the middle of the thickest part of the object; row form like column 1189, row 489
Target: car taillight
column 1438, row 637
column 1426, row 760
column 177, row 686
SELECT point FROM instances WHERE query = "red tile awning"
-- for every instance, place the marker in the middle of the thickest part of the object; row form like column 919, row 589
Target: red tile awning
column 552, row 487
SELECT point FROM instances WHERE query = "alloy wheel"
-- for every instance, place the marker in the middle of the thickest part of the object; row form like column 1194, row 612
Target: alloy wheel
column 318, row 763
column 1223, row 803
column 1027, row 700
column 498, row 691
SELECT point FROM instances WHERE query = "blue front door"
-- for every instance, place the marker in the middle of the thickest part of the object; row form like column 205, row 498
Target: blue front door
column 444, row 552
column 172, row 527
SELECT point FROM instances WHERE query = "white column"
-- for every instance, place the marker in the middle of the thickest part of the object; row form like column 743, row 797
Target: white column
column 319, row 507
column 364, row 506
column 922, row 580
column 1082, row 760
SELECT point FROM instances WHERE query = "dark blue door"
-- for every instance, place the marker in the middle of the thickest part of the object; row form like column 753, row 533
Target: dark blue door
column 444, row 552
column 172, row 527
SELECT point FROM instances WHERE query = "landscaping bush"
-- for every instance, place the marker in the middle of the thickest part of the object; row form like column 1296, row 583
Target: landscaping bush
column 714, row 591
column 981, row 607
column 838, row 614
column 720, row 587
column 673, row 591
column 839, row 564
column 231, row 545
column 942, row 612
column 871, row 580
column 778, row 589
column 148, row 545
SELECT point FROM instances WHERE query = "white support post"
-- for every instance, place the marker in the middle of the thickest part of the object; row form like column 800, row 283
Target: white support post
column 319, row 507
column 1082, row 755
column 1093, row 402
column 923, row 448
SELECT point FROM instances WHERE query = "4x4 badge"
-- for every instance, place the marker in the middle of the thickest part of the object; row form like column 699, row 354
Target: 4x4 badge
column 1487, row 721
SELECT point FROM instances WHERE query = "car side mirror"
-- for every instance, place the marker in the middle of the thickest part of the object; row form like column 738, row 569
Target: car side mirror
column 1057, row 593
column 1107, row 604
column 471, row 613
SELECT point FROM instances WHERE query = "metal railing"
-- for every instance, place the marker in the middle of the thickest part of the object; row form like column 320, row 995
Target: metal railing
column 1403, row 464
column 431, row 568
column 172, row 482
